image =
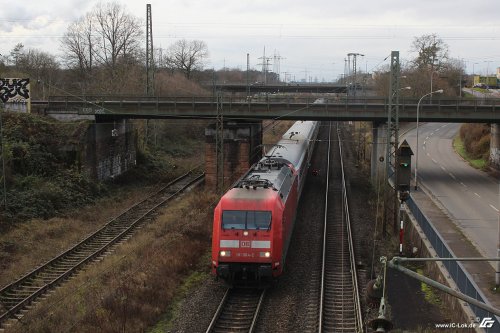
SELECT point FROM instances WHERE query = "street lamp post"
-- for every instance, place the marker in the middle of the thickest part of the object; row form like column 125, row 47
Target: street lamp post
column 488, row 67
column 432, row 76
column 440, row 91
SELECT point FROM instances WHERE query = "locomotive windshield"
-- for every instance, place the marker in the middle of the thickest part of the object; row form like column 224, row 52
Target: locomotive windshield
column 246, row 219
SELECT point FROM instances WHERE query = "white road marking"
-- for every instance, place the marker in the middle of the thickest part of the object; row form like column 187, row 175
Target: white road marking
column 463, row 184
column 427, row 138
column 433, row 160
column 443, row 168
column 494, row 208
column 452, row 176
column 428, row 155
column 477, row 195
column 423, row 147
column 425, row 142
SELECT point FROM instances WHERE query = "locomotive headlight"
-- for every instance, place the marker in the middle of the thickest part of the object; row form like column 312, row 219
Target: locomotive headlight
column 265, row 254
column 245, row 233
column 225, row 253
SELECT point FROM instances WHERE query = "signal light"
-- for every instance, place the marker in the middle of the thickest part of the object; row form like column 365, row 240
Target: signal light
column 404, row 165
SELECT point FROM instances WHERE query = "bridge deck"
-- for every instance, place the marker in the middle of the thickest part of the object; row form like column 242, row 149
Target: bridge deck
column 359, row 109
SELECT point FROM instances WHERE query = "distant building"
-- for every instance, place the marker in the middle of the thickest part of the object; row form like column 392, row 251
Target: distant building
column 490, row 81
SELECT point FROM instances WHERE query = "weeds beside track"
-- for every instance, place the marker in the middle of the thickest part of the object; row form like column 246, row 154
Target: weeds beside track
column 19, row 295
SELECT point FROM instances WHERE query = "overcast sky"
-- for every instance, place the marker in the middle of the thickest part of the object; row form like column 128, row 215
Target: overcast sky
column 313, row 37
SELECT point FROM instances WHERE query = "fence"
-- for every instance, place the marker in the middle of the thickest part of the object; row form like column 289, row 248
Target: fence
column 457, row 272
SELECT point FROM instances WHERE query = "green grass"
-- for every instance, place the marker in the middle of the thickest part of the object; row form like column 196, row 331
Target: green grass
column 429, row 294
column 460, row 149
column 481, row 90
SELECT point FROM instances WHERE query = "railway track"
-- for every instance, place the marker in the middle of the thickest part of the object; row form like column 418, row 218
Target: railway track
column 17, row 297
column 340, row 309
column 237, row 311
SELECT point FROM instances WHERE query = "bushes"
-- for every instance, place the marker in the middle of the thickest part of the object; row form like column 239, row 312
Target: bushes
column 41, row 181
column 476, row 140
column 36, row 196
column 42, row 165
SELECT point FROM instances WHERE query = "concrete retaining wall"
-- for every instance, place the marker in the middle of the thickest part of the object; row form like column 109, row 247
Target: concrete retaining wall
column 416, row 243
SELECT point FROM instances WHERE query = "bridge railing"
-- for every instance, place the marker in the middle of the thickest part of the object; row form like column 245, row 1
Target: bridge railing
column 336, row 104
column 458, row 273
column 97, row 99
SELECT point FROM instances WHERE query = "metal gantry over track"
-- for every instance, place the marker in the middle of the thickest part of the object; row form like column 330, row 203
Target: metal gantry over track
column 219, row 145
column 393, row 141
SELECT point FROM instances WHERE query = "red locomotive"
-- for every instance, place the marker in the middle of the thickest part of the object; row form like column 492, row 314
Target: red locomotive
column 253, row 221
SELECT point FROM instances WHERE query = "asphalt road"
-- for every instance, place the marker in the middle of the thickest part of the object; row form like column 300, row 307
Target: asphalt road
column 471, row 197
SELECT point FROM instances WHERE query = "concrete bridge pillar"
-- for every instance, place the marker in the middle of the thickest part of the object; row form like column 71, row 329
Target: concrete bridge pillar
column 110, row 149
column 242, row 148
column 495, row 146
column 379, row 152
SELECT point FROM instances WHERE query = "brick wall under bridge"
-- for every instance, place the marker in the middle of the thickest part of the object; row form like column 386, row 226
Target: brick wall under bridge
column 110, row 149
column 242, row 148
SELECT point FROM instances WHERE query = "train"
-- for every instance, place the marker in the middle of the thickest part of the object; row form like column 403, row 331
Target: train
column 254, row 220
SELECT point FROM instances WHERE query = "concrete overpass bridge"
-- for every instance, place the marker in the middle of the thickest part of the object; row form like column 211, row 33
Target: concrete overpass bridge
column 241, row 130
column 290, row 108
column 280, row 87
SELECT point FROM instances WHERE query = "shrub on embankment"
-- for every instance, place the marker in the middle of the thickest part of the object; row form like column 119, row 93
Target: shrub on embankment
column 42, row 175
column 476, row 140
column 45, row 166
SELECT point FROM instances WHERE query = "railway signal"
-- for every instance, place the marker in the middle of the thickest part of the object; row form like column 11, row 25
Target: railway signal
column 404, row 168
column 403, row 184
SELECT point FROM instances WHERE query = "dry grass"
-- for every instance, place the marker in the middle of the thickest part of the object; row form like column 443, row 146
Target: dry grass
column 129, row 290
column 476, row 140
column 35, row 242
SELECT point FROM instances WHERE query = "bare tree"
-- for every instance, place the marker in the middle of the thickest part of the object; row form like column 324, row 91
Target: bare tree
column 432, row 51
column 16, row 53
column 37, row 65
column 187, row 56
column 106, row 39
column 120, row 35
column 79, row 43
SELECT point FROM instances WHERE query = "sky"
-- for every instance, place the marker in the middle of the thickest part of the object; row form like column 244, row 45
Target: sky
column 312, row 38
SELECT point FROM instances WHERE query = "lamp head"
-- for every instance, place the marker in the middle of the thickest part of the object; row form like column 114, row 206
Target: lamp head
column 440, row 91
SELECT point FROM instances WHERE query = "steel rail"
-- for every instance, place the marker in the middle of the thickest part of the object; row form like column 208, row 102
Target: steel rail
column 96, row 251
column 354, row 274
column 323, row 255
column 232, row 302
column 218, row 312
column 358, row 321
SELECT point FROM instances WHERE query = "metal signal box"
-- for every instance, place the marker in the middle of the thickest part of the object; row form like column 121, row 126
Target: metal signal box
column 404, row 167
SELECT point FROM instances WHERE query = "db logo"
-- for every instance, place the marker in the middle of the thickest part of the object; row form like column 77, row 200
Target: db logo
column 245, row 243
column 487, row 322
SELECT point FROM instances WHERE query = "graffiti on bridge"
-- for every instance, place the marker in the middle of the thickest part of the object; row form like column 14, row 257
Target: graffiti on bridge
column 14, row 90
column 15, row 94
